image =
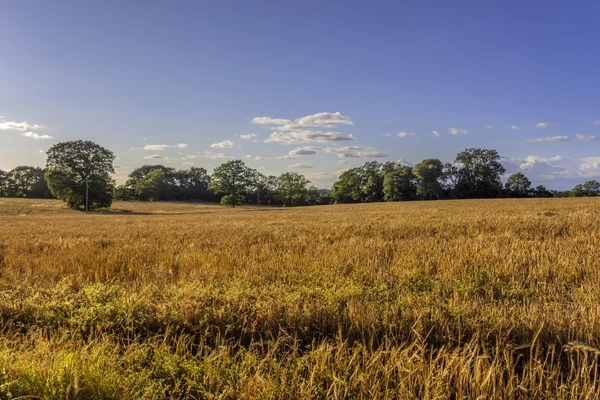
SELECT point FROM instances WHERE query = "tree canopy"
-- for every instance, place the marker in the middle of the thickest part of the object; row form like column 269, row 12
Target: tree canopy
column 70, row 164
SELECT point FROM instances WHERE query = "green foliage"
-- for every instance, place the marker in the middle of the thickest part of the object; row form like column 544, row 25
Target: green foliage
column 479, row 174
column 24, row 181
column 293, row 189
column 70, row 164
column 430, row 173
column 234, row 180
column 400, row 184
column 518, row 185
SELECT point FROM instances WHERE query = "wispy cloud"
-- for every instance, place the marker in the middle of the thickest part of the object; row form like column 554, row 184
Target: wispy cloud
column 513, row 127
column 157, row 156
column 225, row 144
column 249, row 136
column 597, row 122
column 162, row 147
column 308, row 136
column 18, row 126
column 208, row 154
column 257, row 158
column 406, row 134
column 588, row 138
column 488, row 127
column 549, row 139
column 300, row 165
column 435, row 133
column 36, row 136
column 542, row 124
column 319, row 120
column 456, row 131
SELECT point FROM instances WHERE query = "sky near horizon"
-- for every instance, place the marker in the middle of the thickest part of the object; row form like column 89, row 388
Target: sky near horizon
column 314, row 87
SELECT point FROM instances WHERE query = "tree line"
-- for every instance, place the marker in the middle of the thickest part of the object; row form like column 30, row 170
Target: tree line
column 79, row 167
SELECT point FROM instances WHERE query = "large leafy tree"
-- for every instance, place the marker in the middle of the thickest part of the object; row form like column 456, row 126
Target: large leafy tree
column 71, row 164
column 478, row 173
column 518, row 185
column 3, row 184
column 430, row 173
column 26, row 181
column 154, row 186
column 293, row 189
column 592, row 188
column 400, row 184
column 234, row 180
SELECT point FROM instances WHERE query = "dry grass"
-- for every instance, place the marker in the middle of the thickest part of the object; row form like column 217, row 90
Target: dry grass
column 433, row 300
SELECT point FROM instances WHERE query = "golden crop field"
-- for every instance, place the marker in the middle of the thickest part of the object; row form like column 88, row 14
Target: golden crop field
column 421, row 300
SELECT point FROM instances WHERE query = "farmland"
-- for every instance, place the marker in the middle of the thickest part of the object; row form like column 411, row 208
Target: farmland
column 435, row 300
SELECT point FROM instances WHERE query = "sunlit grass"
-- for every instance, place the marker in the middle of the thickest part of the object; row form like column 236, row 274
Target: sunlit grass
column 453, row 299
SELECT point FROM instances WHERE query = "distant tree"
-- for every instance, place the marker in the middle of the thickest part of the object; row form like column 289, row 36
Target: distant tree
column 266, row 186
column 578, row 191
column 26, row 181
column 153, row 187
column 430, row 173
column 234, row 180
column 70, row 164
column 3, row 184
column 478, row 174
column 140, row 173
column 348, row 188
column 518, row 185
column 293, row 189
column 123, row 192
column 592, row 188
column 400, row 184
column 541, row 191
column 193, row 178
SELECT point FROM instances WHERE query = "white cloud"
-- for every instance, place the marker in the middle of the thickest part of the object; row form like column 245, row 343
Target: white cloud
column 435, row 133
column 406, row 134
column 456, row 131
column 162, row 147
column 210, row 155
column 226, row 144
column 337, row 150
column 300, row 165
column 597, row 122
column 304, row 151
column 342, row 162
column 372, row 154
column 488, row 127
column 322, row 120
column 257, row 158
column 249, row 136
column 348, row 155
column 307, row 136
column 300, row 151
column 589, row 169
column 36, row 136
column 404, row 162
column 549, row 139
column 18, row 126
column 187, row 163
column 156, row 147
column 588, row 138
column 542, row 124
column 513, row 127
column 41, row 151
column 158, row 156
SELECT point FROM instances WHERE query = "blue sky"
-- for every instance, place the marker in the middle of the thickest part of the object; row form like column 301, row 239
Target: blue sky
column 179, row 83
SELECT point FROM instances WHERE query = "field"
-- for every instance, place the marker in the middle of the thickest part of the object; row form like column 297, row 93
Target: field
column 420, row 300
